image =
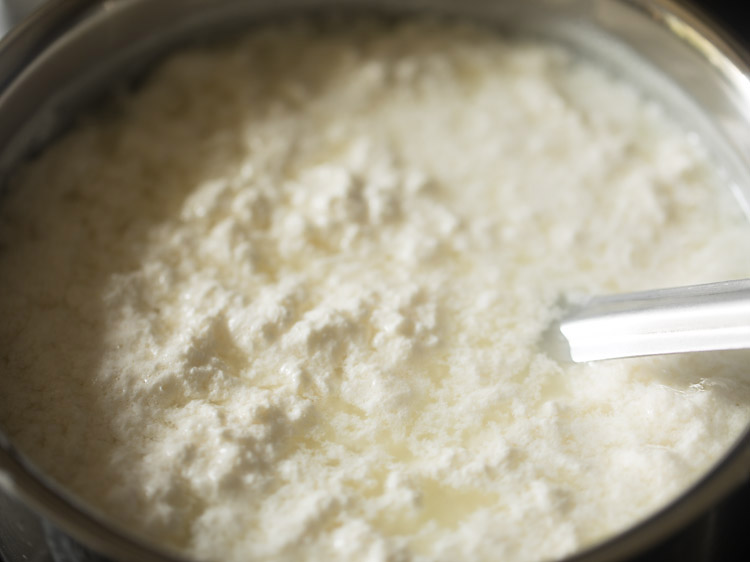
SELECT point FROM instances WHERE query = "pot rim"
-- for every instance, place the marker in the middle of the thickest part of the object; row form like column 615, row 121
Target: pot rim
column 32, row 36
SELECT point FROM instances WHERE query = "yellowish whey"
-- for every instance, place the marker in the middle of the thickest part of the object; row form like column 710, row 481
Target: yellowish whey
column 283, row 302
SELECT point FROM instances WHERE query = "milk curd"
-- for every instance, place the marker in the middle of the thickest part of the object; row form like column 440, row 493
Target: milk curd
column 283, row 302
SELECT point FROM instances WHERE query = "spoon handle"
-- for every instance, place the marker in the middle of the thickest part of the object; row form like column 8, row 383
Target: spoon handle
column 677, row 320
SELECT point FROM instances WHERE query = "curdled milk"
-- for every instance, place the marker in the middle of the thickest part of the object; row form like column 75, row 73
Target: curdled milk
column 284, row 301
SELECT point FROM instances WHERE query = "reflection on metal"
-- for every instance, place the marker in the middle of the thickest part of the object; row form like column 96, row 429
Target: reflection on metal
column 13, row 11
column 710, row 52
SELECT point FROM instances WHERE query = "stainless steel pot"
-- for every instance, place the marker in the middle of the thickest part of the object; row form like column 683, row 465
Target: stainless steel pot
column 71, row 51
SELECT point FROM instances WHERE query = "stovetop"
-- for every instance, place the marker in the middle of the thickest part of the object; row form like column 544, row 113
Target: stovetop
column 721, row 535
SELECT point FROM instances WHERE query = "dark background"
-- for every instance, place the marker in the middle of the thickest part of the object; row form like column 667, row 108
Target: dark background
column 722, row 534
column 729, row 13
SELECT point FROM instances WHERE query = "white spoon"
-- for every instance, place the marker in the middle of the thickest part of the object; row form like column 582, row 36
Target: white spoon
column 694, row 318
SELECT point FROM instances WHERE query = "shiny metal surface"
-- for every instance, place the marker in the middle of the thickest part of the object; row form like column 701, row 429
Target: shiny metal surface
column 707, row 317
column 13, row 11
column 72, row 51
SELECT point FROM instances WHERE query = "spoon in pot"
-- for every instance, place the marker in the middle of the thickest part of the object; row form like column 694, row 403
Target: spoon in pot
column 706, row 317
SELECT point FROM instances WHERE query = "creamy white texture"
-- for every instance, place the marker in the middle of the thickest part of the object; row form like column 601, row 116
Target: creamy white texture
column 283, row 302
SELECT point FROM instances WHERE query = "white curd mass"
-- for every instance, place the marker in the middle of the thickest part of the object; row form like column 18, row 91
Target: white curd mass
column 284, row 301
